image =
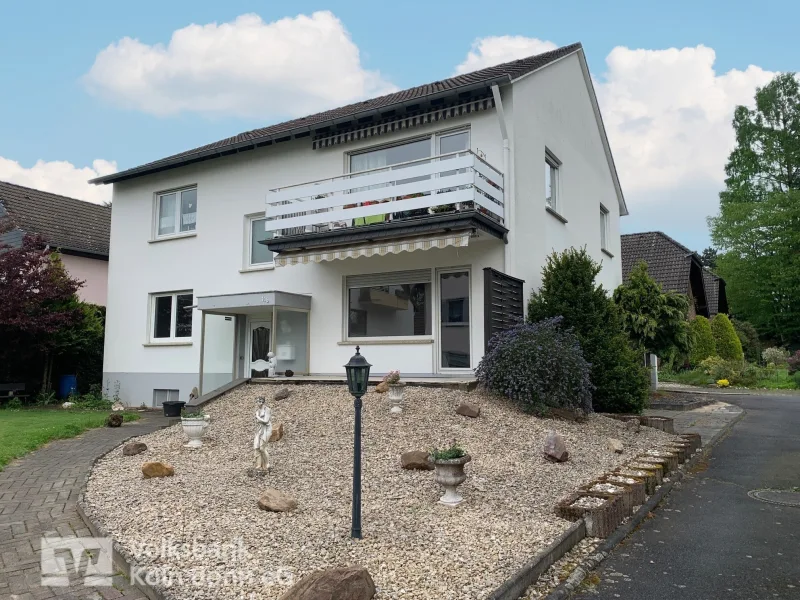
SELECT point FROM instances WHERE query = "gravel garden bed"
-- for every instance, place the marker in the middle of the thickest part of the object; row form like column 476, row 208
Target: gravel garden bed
column 413, row 547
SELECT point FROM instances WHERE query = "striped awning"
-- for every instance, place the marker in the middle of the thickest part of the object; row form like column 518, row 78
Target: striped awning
column 455, row 240
column 402, row 123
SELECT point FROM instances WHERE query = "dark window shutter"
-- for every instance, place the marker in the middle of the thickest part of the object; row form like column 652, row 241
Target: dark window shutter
column 503, row 302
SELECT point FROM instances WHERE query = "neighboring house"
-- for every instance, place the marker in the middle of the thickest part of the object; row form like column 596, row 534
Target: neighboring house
column 676, row 268
column 715, row 293
column 79, row 230
column 413, row 225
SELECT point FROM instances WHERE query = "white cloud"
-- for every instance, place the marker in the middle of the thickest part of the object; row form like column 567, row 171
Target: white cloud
column 490, row 51
column 668, row 117
column 290, row 67
column 61, row 177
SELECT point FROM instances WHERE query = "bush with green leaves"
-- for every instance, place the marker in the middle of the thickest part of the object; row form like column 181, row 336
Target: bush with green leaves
column 737, row 372
column 748, row 336
column 702, row 345
column 776, row 356
column 725, row 339
column 537, row 365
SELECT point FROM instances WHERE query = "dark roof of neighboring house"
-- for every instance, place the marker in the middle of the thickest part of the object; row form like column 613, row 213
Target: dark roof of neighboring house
column 715, row 293
column 65, row 223
column 477, row 80
column 669, row 262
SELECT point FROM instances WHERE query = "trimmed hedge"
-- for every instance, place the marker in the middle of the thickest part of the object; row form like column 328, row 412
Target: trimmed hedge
column 725, row 339
column 702, row 341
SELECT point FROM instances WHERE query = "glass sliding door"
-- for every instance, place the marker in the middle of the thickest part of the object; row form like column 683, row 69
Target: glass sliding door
column 454, row 311
column 260, row 344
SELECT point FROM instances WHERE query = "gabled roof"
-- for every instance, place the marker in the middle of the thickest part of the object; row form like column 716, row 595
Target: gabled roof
column 409, row 99
column 715, row 293
column 668, row 261
column 65, row 223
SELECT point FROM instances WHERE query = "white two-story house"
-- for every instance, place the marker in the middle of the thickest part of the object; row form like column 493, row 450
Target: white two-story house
column 414, row 225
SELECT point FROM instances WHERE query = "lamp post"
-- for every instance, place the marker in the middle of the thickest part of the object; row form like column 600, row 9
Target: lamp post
column 357, row 377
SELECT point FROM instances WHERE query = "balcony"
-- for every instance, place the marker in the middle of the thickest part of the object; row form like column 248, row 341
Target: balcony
column 448, row 183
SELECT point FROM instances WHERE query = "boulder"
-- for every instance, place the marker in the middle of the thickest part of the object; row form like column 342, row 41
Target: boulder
column 133, row 448
column 282, row 394
column 276, row 501
column 114, row 420
column 555, row 448
column 382, row 387
column 416, row 460
column 343, row 583
column 466, row 409
column 277, row 433
column 568, row 414
column 68, row 405
column 157, row 469
column 633, row 425
column 615, row 446
column 117, row 406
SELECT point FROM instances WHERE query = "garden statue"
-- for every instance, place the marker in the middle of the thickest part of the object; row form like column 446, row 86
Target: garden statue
column 263, row 433
column 273, row 363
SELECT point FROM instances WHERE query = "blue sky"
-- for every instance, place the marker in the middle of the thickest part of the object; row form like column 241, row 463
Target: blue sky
column 48, row 111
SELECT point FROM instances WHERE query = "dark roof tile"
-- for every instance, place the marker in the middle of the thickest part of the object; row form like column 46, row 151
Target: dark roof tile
column 668, row 261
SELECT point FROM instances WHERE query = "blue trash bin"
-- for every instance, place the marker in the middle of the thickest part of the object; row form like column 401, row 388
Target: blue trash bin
column 67, row 386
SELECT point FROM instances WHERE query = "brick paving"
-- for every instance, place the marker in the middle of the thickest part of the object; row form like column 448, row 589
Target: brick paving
column 38, row 494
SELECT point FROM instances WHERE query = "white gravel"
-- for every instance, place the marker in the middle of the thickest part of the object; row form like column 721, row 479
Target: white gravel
column 606, row 488
column 589, row 502
column 413, row 547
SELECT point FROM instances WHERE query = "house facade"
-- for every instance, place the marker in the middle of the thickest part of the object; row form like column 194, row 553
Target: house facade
column 77, row 229
column 403, row 224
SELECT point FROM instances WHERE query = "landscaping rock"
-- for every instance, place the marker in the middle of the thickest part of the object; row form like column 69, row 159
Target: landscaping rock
column 68, row 405
column 633, row 425
column 416, row 460
column 277, row 433
column 157, row 469
column 555, row 448
column 567, row 414
column 382, row 387
column 466, row 409
column 114, row 420
column 117, row 406
column 615, row 446
column 133, row 448
column 276, row 501
column 282, row 394
column 343, row 583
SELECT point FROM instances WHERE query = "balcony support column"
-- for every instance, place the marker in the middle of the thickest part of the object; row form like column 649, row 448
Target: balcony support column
column 508, row 192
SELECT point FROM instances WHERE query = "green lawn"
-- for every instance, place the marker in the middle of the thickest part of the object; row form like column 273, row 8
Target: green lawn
column 22, row 431
column 779, row 379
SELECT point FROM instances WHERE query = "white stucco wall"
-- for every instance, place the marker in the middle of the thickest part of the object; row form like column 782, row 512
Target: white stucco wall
column 94, row 274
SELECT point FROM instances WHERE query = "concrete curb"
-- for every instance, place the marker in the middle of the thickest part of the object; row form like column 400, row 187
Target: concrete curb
column 680, row 407
column 119, row 557
column 569, row 585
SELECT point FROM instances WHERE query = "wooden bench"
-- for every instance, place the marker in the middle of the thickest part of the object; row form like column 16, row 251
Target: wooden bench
column 12, row 390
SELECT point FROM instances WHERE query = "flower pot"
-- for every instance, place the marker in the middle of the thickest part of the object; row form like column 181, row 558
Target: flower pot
column 194, row 427
column 396, row 396
column 172, row 408
column 450, row 474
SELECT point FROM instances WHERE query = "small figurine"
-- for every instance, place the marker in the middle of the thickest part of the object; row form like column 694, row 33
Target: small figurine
column 263, row 433
column 273, row 364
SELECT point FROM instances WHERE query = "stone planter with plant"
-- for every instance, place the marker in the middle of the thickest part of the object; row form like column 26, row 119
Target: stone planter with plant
column 194, row 425
column 396, row 388
column 449, row 471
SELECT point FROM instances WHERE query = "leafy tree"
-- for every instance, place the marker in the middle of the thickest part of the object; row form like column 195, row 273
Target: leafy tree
column 758, row 228
column 702, row 341
column 709, row 258
column 748, row 336
column 569, row 290
column 654, row 319
column 725, row 339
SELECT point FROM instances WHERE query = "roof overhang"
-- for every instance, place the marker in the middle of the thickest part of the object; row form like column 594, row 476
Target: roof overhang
column 250, row 302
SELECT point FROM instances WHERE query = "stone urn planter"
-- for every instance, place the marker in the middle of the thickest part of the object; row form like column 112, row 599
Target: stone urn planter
column 194, row 426
column 396, row 397
column 449, row 473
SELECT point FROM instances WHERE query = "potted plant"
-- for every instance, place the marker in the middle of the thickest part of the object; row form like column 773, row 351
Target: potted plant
column 396, row 388
column 194, row 424
column 449, row 471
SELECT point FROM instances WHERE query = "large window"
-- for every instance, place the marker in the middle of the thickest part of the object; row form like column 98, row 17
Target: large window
column 258, row 255
column 171, row 317
column 551, row 183
column 389, row 305
column 603, row 228
column 176, row 212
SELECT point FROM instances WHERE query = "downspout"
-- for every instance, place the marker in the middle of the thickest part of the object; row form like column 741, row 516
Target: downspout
column 508, row 192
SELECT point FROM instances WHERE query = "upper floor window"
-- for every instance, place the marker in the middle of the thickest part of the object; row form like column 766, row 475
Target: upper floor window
column 171, row 316
column 551, row 182
column 176, row 212
column 603, row 228
column 257, row 254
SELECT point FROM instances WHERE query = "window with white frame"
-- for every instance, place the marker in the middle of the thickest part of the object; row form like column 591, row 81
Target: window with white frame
column 603, row 228
column 171, row 316
column 395, row 304
column 176, row 212
column 551, row 183
column 258, row 255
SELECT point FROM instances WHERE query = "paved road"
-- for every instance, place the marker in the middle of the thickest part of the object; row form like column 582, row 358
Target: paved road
column 37, row 495
column 709, row 540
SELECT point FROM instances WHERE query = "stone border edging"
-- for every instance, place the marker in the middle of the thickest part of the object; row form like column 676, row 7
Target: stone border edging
column 119, row 558
column 681, row 407
column 569, row 585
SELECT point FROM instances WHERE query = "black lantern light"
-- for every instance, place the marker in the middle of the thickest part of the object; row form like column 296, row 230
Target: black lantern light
column 357, row 378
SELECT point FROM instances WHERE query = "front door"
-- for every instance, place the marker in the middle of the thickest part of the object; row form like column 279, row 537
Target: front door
column 260, row 336
column 454, row 311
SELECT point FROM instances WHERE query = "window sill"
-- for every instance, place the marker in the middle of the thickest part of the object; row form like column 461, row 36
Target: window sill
column 384, row 342
column 556, row 215
column 177, row 236
column 157, row 344
column 606, row 252
column 265, row 267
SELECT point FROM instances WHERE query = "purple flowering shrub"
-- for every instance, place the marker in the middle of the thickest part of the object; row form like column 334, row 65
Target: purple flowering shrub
column 794, row 363
column 538, row 365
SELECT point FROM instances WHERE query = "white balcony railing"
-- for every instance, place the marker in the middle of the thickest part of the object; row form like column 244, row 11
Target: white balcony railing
column 438, row 184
